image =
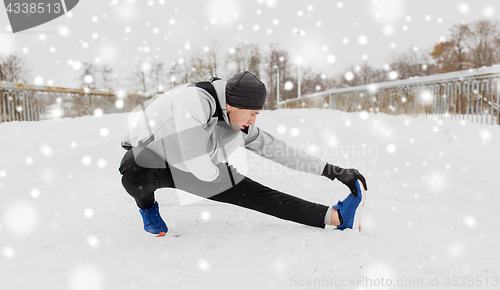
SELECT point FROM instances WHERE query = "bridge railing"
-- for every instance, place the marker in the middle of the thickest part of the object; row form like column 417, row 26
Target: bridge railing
column 473, row 95
column 19, row 102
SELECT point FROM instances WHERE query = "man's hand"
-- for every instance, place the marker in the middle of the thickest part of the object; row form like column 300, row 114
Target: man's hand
column 347, row 176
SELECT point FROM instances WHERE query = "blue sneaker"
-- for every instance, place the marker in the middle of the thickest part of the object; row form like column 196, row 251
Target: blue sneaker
column 350, row 209
column 153, row 223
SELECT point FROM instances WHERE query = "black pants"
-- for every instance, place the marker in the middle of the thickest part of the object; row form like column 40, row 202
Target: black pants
column 141, row 182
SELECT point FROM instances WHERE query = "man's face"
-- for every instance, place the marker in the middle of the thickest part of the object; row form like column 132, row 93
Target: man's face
column 241, row 118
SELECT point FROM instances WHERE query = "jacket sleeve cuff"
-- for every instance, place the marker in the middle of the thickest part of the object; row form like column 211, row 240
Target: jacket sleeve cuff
column 331, row 171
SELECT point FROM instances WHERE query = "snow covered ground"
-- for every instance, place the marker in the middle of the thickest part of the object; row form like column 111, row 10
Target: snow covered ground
column 430, row 222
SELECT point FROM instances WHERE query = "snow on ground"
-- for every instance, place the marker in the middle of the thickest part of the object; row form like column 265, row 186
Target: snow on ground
column 430, row 221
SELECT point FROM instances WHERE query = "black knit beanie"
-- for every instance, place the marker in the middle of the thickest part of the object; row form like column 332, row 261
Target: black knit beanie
column 245, row 91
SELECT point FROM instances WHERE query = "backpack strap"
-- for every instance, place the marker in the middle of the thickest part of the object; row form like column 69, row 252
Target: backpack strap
column 209, row 88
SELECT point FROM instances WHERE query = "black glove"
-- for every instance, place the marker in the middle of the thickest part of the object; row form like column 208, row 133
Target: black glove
column 347, row 176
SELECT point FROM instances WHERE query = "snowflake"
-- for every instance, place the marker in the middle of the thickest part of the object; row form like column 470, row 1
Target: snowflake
column 86, row 160
column 63, row 31
column 76, row 65
column 281, row 129
column 104, row 132
column 364, row 115
column 21, row 218
column 35, row 193
column 119, row 104
column 391, row 148
column 393, row 75
column 204, row 265
column 331, row 59
column 295, row 132
column 88, row 213
column 38, row 81
column 488, row 11
column 388, row 30
column 463, row 8
column 8, row 252
column 205, row 215
column 93, row 241
column 470, row 221
column 46, row 150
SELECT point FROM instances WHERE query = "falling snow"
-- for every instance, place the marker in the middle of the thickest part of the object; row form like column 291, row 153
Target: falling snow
column 35, row 193
column 203, row 265
column 432, row 202
column 8, row 252
column 362, row 39
column 101, row 163
column 21, row 218
column 104, row 132
column 88, row 213
column 413, row 179
column 86, row 160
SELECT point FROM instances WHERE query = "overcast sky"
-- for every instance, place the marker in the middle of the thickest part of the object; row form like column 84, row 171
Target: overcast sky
column 336, row 34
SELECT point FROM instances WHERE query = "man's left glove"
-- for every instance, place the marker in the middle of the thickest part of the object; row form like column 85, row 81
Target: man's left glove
column 347, row 176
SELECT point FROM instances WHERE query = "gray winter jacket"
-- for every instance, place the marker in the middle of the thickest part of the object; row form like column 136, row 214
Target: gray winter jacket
column 180, row 126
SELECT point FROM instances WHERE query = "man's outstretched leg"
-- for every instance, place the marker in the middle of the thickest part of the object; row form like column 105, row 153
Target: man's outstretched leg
column 253, row 195
column 141, row 182
column 250, row 194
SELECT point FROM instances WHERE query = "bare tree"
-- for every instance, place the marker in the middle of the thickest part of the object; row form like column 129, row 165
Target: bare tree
column 172, row 75
column 361, row 75
column 245, row 57
column 97, row 77
column 275, row 60
column 458, row 38
column 213, row 58
column 88, row 76
column 483, row 41
column 140, row 79
column 157, row 76
column 411, row 63
column 13, row 69
column 200, row 67
column 197, row 67
column 311, row 81
column 107, row 78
